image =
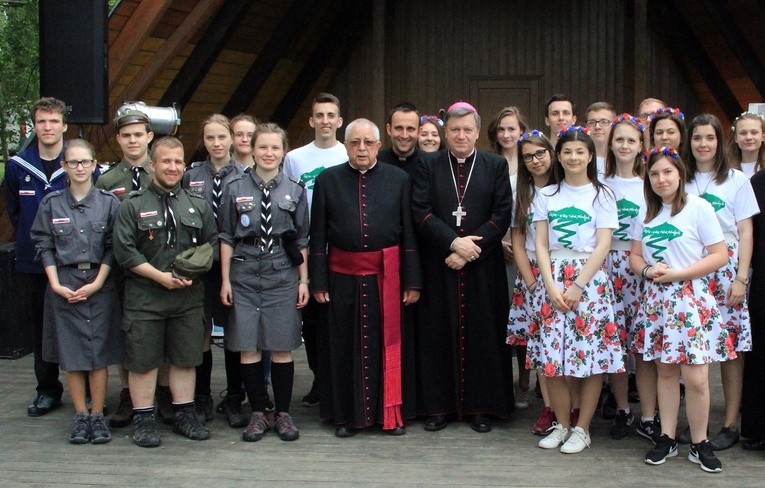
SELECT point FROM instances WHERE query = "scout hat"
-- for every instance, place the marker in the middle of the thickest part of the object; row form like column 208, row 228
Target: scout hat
column 130, row 116
column 193, row 262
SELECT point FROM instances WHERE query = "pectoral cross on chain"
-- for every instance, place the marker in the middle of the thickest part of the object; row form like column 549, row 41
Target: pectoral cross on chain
column 458, row 214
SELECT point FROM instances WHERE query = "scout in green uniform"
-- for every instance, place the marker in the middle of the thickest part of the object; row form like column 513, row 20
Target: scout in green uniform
column 163, row 313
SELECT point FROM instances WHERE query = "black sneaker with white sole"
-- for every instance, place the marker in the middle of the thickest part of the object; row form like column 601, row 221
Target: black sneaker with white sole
column 649, row 429
column 665, row 448
column 703, row 455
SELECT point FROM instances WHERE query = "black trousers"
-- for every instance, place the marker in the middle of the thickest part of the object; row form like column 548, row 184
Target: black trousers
column 32, row 297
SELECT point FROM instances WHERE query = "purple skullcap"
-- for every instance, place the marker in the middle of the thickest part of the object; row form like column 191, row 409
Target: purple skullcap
column 462, row 104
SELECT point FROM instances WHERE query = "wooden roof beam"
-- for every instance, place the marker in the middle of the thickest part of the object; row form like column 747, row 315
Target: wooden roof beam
column 205, row 52
column 743, row 50
column 135, row 31
column 293, row 21
column 681, row 40
column 352, row 18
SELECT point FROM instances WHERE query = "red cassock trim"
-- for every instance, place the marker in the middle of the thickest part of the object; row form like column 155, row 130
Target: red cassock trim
column 385, row 264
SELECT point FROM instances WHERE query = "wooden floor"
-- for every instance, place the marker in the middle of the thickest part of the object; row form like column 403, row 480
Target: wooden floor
column 35, row 451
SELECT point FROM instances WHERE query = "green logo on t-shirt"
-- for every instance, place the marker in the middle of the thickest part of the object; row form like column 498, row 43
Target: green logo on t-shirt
column 309, row 178
column 717, row 203
column 627, row 210
column 663, row 232
column 566, row 218
column 530, row 219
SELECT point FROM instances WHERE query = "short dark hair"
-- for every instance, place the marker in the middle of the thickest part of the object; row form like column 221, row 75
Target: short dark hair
column 325, row 97
column 559, row 97
column 48, row 104
column 402, row 107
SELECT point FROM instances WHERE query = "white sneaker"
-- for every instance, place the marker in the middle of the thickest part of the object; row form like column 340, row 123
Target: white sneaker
column 577, row 441
column 556, row 437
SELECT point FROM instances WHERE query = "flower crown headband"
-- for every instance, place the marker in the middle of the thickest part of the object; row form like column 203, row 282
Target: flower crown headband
column 574, row 128
column 431, row 118
column 631, row 118
column 745, row 115
column 526, row 135
column 666, row 151
column 669, row 110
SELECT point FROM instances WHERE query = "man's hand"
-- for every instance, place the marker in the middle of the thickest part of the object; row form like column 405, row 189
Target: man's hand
column 455, row 262
column 321, row 297
column 411, row 296
column 467, row 248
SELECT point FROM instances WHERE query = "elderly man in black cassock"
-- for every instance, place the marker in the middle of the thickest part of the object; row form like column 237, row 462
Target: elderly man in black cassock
column 364, row 262
column 461, row 206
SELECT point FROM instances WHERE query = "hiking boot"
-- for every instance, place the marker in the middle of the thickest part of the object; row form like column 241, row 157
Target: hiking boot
column 204, row 407
column 99, row 432
column 544, row 422
column 556, row 437
column 187, row 423
column 165, row 404
column 124, row 413
column 521, row 396
column 703, row 455
column 665, row 448
column 231, row 407
column 622, row 423
column 725, row 439
column 649, row 429
column 42, row 405
column 285, row 427
column 80, row 429
column 578, row 441
column 312, row 398
column 258, row 425
column 145, row 429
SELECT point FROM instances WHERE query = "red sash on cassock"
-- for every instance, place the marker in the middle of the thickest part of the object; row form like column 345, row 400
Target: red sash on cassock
column 385, row 264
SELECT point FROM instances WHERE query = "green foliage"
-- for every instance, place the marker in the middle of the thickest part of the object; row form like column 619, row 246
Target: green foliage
column 19, row 69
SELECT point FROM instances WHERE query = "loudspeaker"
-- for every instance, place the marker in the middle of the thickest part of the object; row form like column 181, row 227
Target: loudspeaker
column 16, row 338
column 73, row 54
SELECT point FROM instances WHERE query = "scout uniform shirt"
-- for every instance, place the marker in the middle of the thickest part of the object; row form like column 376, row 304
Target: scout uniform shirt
column 199, row 178
column 140, row 236
column 118, row 179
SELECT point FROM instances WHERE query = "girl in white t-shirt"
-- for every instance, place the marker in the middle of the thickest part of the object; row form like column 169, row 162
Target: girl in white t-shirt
column 732, row 197
column 624, row 176
column 676, row 245
column 746, row 151
column 536, row 154
column 575, row 220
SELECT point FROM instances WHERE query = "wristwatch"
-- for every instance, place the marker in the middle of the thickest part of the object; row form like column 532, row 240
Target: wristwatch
column 743, row 279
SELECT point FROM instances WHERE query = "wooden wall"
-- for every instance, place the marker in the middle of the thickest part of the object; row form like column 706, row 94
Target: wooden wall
column 497, row 53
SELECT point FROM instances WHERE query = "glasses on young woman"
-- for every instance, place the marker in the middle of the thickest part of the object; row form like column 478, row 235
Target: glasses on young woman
column 73, row 163
column 538, row 155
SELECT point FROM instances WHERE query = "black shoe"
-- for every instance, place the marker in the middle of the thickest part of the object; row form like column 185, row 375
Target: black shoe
column 608, row 410
column 435, row 422
column 481, row 423
column 43, row 404
column 124, row 413
column 312, row 398
column 397, row 431
column 622, row 424
column 231, row 407
column 99, row 432
column 187, row 423
column 649, row 429
column 725, row 439
column 703, row 455
column 632, row 392
column 145, row 430
column 80, row 429
column 753, row 444
column 685, row 436
column 665, row 448
column 345, row 431
column 204, row 407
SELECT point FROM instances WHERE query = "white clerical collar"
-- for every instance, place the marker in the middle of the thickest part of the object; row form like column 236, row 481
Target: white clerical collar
column 362, row 171
column 462, row 160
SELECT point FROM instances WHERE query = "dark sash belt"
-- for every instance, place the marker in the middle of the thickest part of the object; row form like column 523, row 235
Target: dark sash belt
column 385, row 264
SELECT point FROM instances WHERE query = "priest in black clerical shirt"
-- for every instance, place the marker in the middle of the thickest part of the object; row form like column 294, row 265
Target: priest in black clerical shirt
column 403, row 128
column 461, row 206
column 363, row 262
